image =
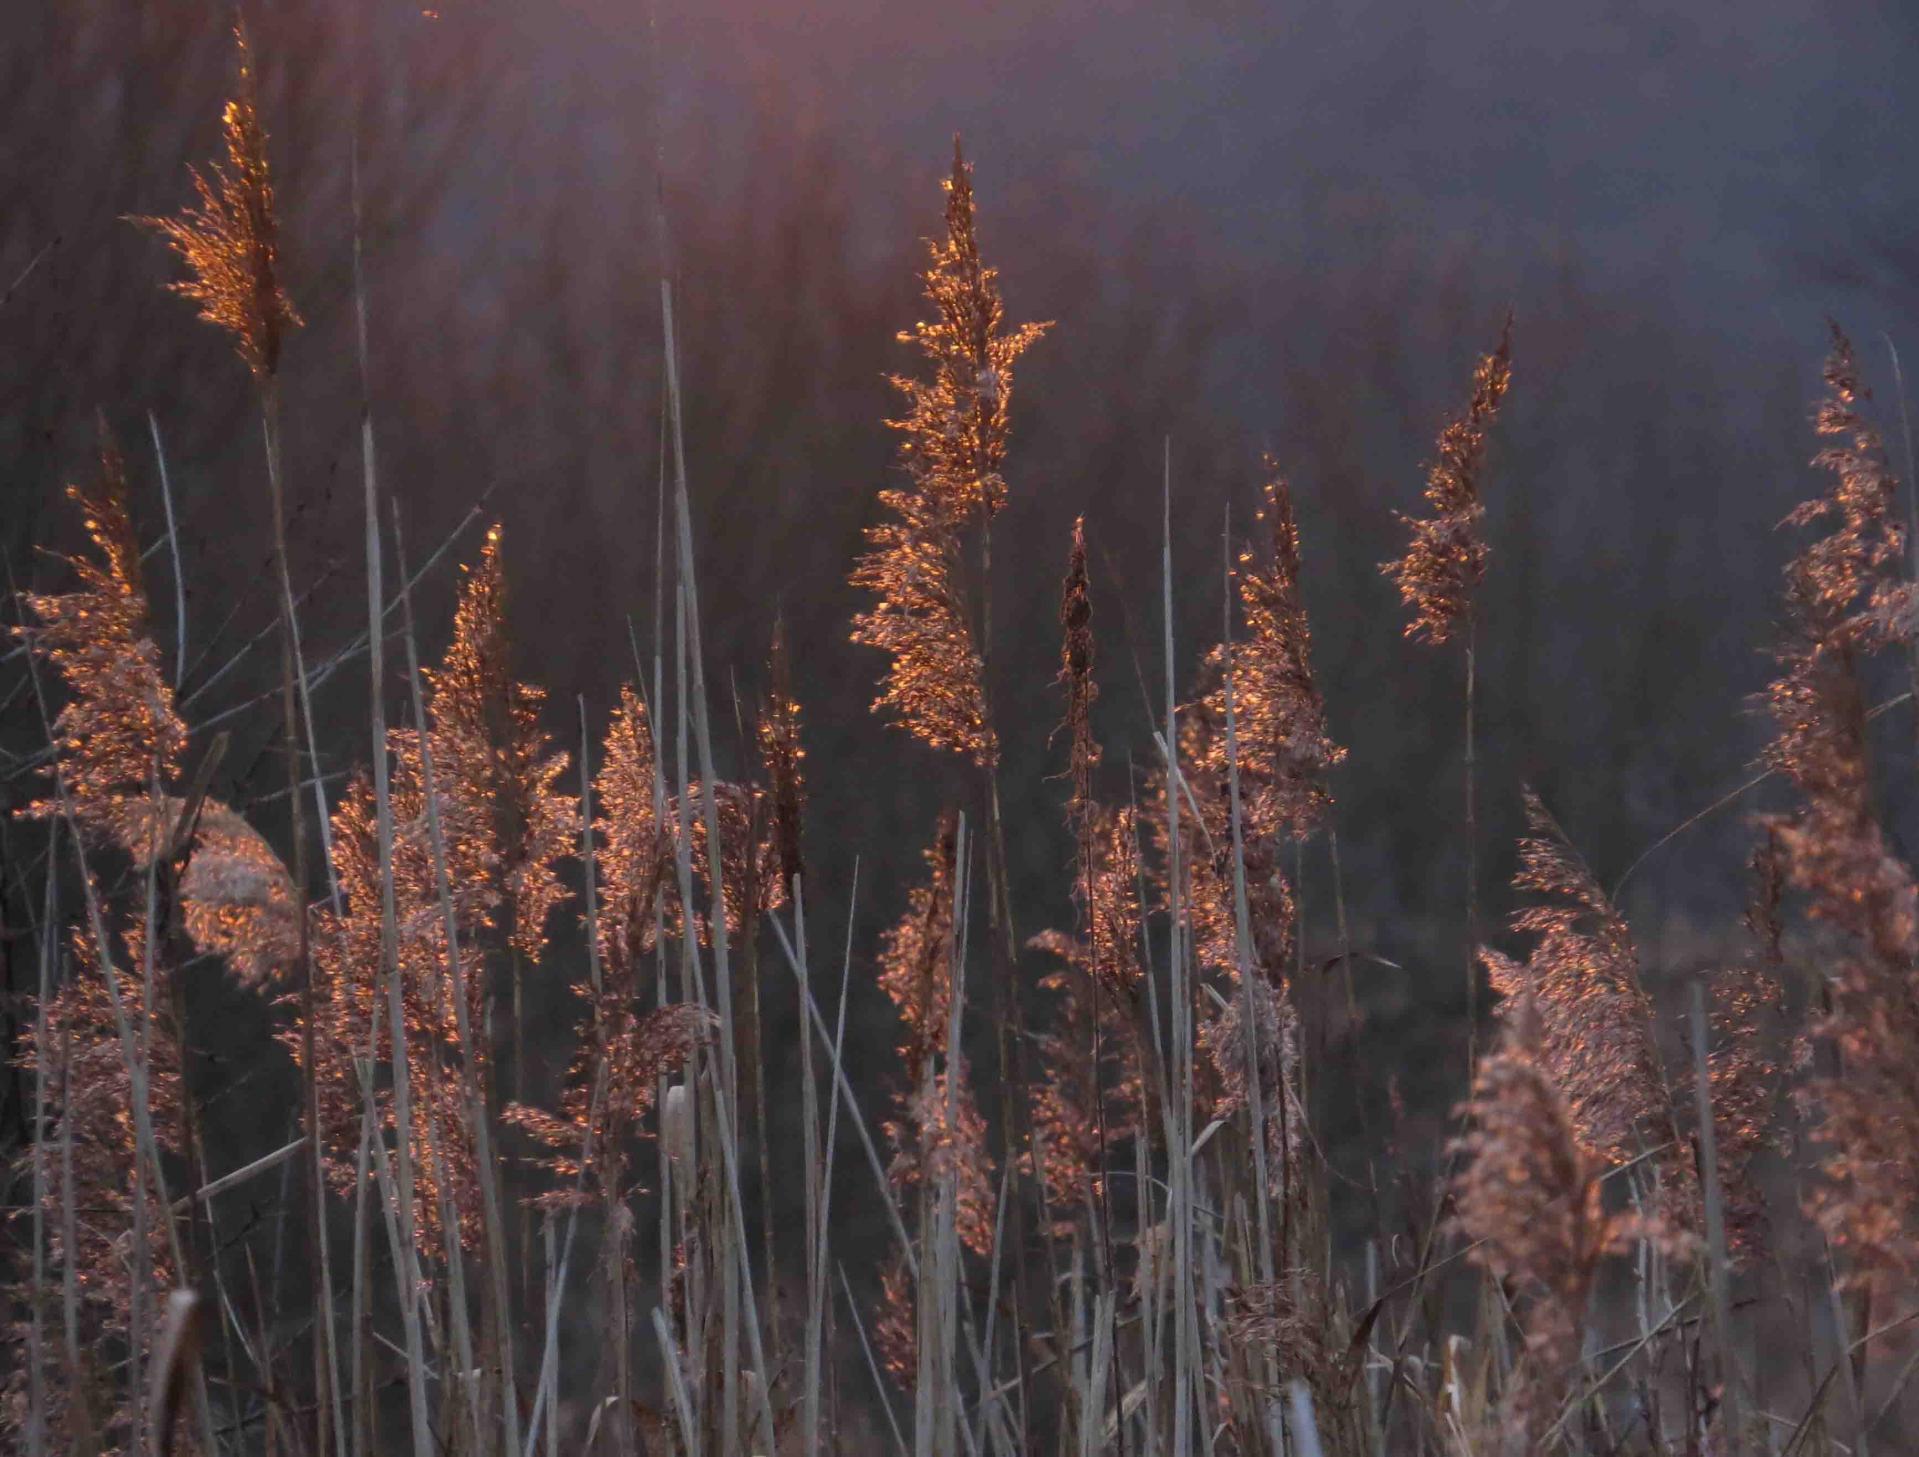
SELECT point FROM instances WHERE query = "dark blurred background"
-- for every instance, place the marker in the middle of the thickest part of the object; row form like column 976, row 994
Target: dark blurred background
column 1259, row 226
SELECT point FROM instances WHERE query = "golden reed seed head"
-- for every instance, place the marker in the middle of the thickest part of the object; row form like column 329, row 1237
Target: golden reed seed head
column 230, row 241
column 952, row 445
column 1446, row 559
column 1845, row 600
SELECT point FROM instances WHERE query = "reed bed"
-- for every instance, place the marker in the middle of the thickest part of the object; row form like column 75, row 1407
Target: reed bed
column 1095, row 1213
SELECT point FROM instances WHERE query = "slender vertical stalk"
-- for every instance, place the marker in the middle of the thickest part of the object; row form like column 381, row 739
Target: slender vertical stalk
column 303, row 963
column 739, row 1286
column 1732, row 1399
column 1180, row 1132
column 36, row 1349
column 815, row 1176
column 1472, row 843
column 1912, row 514
column 1249, row 1020
column 173, row 543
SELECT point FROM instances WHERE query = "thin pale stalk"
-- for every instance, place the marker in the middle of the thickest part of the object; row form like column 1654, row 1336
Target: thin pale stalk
column 1249, row 1025
column 814, row 1178
column 69, row 1223
column 1180, row 1160
column 670, row 1358
column 739, row 1288
column 36, row 1372
column 390, row 972
column 173, row 545
column 873, row 1366
column 616, row 1307
column 1472, row 843
column 303, row 962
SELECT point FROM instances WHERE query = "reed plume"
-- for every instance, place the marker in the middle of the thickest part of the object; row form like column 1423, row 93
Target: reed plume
column 1844, row 602
column 1093, row 1091
column 1446, row 560
column 1529, row 1199
column 633, row 847
column 1092, row 1088
column 1591, row 1022
column 1285, row 750
column 783, row 760
column 936, row 1130
column 1748, row 1067
column 504, row 827
column 953, row 439
column 490, row 751
column 621, row 1055
column 230, row 242
column 119, row 731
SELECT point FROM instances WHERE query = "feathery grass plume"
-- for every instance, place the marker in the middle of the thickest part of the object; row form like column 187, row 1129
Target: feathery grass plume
column 489, row 749
column 621, row 1055
column 346, row 952
column 1091, row 1087
column 91, row 1093
column 915, row 968
column 749, row 857
column 1747, row 1069
column 236, row 898
column 1446, row 559
column 952, row 444
column 1593, row 1022
column 505, row 826
column 783, row 758
column 916, row 973
column 955, row 428
column 1275, row 1052
column 1529, row 1196
column 633, row 848
column 1101, row 970
column 1845, row 601
column 230, row 243
column 118, row 729
column 1082, row 690
column 119, row 734
column 895, row 1324
column 1285, row 751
